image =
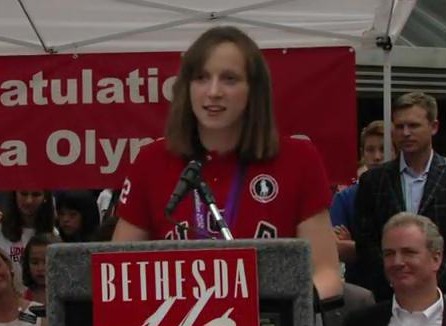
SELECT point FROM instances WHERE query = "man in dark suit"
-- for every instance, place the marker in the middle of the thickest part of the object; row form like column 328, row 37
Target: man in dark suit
column 412, row 253
column 415, row 181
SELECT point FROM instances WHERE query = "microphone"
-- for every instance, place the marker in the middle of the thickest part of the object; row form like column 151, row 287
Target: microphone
column 189, row 179
column 208, row 197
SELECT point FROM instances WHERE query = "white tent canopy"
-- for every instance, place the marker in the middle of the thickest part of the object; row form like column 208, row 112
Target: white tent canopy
column 58, row 26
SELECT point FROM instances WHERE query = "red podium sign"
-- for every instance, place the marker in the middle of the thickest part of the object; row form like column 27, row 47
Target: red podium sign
column 184, row 288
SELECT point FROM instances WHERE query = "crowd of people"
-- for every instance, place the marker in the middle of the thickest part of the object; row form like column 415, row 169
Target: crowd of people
column 386, row 228
column 31, row 220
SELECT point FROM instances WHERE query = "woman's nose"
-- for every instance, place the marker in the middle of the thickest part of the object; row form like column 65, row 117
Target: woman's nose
column 214, row 89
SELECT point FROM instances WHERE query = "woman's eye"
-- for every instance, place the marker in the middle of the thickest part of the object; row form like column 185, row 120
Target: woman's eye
column 200, row 77
column 230, row 79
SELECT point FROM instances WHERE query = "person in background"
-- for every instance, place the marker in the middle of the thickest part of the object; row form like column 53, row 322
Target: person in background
column 342, row 210
column 412, row 253
column 14, row 309
column 221, row 115
column 3, row 196
column 77, row 215
column 27, row 212
column 107, row 201
column 103, row 201
column 34, row 266
column 105, row 231
column 342, row 217
column 415, row 182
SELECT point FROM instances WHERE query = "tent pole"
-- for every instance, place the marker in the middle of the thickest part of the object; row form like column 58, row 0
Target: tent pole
column 387, row 103
column 34, row 27
column 385, row 42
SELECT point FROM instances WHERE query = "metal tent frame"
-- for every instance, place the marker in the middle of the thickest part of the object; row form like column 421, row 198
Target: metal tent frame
column 66, row 26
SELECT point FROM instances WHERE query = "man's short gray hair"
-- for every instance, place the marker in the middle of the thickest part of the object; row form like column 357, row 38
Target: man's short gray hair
column 434, row 240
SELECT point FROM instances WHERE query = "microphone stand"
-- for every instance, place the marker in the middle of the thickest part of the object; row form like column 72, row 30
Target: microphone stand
column 206, row 195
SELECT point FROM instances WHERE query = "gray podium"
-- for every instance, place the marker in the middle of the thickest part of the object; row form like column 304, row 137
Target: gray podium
column 284, row 271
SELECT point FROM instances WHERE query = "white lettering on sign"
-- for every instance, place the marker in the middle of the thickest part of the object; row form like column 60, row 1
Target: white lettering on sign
column 240, row 279
column 74, row 147
column 197, row 267
column 125, row 281
column 143, row 278
column 221, row 278
column 136, row 87
column 108, row 288
column 113, row 150
column 161, row 280
column 166, row 279
column 179, row 278
column 13, row 152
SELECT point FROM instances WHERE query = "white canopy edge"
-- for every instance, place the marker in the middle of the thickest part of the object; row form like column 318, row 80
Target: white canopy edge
column 66, row 26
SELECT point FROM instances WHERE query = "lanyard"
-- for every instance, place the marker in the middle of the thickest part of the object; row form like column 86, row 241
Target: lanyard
column 231, row 205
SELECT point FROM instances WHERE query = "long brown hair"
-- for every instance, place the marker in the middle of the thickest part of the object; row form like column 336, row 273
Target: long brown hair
column 12, row 223
column 259, row 138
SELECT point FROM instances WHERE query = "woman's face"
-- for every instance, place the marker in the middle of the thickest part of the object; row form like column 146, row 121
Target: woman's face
column 70, row 221
column 29, row 201
column 219, row 94
column 37, row 265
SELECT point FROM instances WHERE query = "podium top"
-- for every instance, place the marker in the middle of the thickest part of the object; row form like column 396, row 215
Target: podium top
column 284, row 270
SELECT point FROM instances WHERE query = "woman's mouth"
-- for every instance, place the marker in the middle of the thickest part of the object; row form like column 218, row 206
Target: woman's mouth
column 214, row 108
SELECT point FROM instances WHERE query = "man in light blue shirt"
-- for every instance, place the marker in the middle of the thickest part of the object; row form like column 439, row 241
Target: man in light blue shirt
column 412, row 183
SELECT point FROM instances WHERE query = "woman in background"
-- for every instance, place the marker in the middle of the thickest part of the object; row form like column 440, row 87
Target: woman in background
column 27, row 212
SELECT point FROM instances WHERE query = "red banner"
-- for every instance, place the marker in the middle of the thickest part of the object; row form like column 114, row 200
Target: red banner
column 184, row 288
column 77, row 121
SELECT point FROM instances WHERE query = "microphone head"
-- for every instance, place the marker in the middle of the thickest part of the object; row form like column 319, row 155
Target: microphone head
column 189, row 179
column 191, row 172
